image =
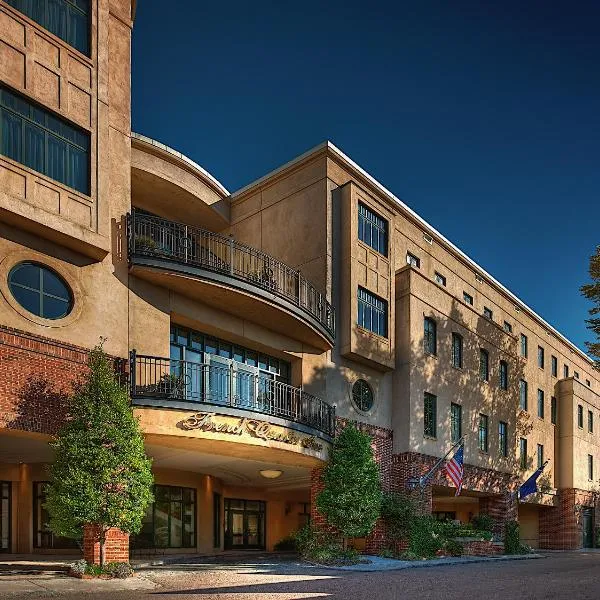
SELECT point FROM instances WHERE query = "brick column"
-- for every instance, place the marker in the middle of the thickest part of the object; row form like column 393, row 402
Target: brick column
column 116, row 548
column 502, row 509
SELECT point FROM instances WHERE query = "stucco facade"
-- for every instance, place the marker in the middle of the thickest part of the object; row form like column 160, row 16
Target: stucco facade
column 245, row 306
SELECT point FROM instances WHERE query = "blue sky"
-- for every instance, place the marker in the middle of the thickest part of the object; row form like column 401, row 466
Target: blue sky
column 483, row 119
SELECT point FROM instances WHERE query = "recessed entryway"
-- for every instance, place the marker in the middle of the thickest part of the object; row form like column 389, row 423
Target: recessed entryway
column 244, row 524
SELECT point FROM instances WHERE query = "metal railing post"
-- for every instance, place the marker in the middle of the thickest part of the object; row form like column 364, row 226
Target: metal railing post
column 231, row 271
column 132, row 378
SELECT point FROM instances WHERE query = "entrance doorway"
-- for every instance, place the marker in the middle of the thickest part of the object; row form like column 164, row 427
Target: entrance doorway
column 5, row 516
column 244, row 524
column 588, row 527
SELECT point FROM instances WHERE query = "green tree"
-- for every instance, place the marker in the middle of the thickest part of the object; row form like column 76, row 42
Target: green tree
column 351, row 498
column 592, row 292
column 101, row 475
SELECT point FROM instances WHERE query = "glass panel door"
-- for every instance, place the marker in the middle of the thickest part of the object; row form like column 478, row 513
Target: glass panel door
column 5, row 516
column 218, row 381
column 246, row 380
column 237, row 529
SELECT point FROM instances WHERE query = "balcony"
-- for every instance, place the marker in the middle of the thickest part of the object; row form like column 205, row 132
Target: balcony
column 230, row 276
column 229, row 387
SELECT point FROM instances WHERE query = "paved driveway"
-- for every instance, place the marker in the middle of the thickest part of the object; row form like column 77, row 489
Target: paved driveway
column 573, row 576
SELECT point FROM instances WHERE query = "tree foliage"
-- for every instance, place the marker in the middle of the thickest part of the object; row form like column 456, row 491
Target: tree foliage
column 351, row 498
column 592, row 292
column 101, row 474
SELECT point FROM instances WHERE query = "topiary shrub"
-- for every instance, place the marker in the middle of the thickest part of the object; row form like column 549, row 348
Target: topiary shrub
column 512, row 539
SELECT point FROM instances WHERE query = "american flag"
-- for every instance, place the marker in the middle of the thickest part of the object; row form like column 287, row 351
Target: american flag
column 455, row 469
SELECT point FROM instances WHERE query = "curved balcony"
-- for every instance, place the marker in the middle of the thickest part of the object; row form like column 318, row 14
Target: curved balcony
column 173, row 254
column 229, row 387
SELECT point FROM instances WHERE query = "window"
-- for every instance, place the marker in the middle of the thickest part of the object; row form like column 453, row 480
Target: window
column 488, row 313
column 484, row 365
column 40, row 290
column 587, row 382
column 372, row 312
column 523, row 345
column 540, row 357
column 566, row 371
column 428, row 239
column 42, row 535
column 37, row 139
column 413, row 260
column 455, row 422
column 362, row 395
column 439, row 278
column 503, row 375
column 553, row 410
column 590, row 421
column 468, row 298
column 507, row 327
column 554, row 366
column 503, row 438
column 429, row 336
column 430, row 415
column 457, row 351
column 523, row 453
column 540, row 404
column 372, row 229
column 590, row 467
column 540, row 456
column 5, row 515
column 523, row 394
column 216, row 520
column 576, row 374
column 483, row 433
column 580, row 416
column 170, row 522
column 67, row 19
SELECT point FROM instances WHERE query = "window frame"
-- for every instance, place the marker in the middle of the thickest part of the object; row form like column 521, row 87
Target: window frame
column 439, row 278
column 590, row 467
column 430, row 336
column 523, row 453
column 483, row 433
column 484, row 365
column 553, row 410
column 540, row 455
column 565, row 371
column 429, row 415
column 455, row 422
column 503, row 438
column 368, row 218
column 553, row 365
column 524, row 346
column 457, row 350
column 503, row 375
column 580, row 416
column 365, row 387
column 413, row 260
column 370, row 301
column 541, row 402
column 508, row 327
column 523, row 394
column 488, row 313
column 467, row 298
column 590, row 421
column 541, row 360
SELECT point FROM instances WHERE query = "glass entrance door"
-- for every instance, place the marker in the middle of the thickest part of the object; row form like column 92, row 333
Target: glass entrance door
column 244, row 524
column 4, row 516
column 588, row 527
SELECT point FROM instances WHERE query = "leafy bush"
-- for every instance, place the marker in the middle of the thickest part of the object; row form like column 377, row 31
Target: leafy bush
column 78, row 567
column 425, row 537
column 286, row 544
column 95, row 570
column 118, row 570
column 398, row 512
column 453, row 548
column 483, row 522
column 512, row 539
column 316, row 545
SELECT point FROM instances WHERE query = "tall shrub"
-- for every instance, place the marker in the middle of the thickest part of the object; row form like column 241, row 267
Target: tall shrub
column 101, row 475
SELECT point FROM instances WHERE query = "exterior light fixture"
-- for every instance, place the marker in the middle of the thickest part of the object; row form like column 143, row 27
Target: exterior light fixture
column 271, row 473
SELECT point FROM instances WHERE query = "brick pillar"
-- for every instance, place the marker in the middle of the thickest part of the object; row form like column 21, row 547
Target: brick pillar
column 561, row 527
column 501, row 508
column 407, row 468
column 116, row 548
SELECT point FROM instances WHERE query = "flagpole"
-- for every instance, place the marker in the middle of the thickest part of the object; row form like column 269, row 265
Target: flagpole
column 423, row 480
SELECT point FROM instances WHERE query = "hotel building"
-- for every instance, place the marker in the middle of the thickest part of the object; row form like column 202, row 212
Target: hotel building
column 252, row 324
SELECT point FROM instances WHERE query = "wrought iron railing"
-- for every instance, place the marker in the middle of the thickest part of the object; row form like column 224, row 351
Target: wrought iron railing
column 230, row 384
column 157, row 237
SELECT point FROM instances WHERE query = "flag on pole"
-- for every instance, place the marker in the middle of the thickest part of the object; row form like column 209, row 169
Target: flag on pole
column 530, row 486
column 455, row 469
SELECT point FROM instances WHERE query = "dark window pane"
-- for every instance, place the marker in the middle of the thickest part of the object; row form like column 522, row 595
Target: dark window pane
column 54, row 308
column 34, row 148
column 54, row 286
column 28, row 299
column 57, row 159
column 11, row 143
column 26, row 274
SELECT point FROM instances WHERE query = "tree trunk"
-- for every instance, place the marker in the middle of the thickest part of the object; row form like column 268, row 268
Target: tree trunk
column 102, row 546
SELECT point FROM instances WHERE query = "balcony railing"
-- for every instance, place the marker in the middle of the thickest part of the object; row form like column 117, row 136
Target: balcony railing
column 227, row 384
column 159, row 238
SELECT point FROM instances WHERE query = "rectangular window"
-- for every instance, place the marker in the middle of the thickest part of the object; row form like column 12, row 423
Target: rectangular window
column 587, row 382
column 455, row 422
column 554, row 366
column 484, row 365
column 540, row 404
column 37, row 139
column 483, row 433
column 576, row 374
column 580, row 416
column 413, row 261
column 42, row 535
column 439, row 278
column 523, row 453
column 523, row 394
column 430, row 336
column 468, row 298
column 553, row 410
column 372, row 312
column 457, row 351
column 523, row 345
column 590, row 467
column 503, row 375
column 67, row 19
column 507, row 327
column 540, row 357
column 488, row 313
column 5, row 515
column 430, row 415
column 372, row 229
column 216, row 520
column 503, row 438
column 565, row 371
column 540, row 456
column 590, row 421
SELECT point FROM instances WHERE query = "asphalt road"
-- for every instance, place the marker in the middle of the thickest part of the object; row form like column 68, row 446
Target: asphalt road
column 573, row 576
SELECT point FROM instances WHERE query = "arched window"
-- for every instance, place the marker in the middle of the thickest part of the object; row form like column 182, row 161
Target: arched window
column 40, row 290
column 362, row 395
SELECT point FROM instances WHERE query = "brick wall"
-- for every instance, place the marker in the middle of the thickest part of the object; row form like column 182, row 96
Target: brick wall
column 116, row 548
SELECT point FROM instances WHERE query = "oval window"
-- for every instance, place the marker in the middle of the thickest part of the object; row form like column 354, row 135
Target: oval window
column 362, row 395
column 40, row 290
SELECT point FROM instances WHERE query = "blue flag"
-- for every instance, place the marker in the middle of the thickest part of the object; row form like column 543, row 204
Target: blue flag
column 530, row 486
